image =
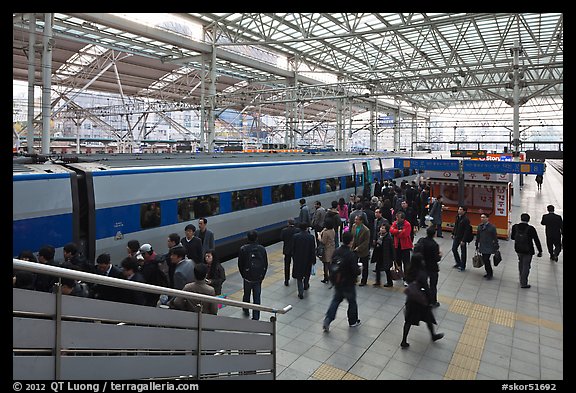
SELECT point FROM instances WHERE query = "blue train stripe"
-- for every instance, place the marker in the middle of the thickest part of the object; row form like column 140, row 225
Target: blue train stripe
column 33, row 233
column 39, row 176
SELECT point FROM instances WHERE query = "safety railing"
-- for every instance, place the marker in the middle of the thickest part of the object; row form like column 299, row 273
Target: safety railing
column 61, row 337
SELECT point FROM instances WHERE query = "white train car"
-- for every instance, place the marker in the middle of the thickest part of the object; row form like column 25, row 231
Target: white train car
column 148, row 197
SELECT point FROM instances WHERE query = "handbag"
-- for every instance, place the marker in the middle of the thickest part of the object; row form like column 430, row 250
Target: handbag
column 415, row 294
column 497, row 258
column 477, row 260
column 320, row 250
column 396, row 273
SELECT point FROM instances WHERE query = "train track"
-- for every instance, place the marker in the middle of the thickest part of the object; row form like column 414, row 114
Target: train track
column 557, row 164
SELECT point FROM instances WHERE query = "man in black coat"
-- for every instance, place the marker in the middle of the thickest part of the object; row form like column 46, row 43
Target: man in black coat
column 346, row 287
column 525, row 251
column 460, row 229
column 431, row 253
column 286, row 235
column 554, row 231
column 303, row 252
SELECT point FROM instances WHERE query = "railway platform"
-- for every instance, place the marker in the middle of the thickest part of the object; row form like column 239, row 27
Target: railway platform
column 494, row 330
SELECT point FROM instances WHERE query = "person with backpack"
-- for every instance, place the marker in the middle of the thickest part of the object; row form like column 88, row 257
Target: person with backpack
column 525, row 236
column 344, row 272
column 252, row 264
column 431, row 253
column 461, row 235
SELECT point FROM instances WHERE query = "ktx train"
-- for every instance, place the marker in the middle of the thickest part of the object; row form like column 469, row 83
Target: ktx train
column 101, row 203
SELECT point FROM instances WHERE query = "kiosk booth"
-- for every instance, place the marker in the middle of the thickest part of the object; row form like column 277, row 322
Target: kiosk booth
column 489, row 193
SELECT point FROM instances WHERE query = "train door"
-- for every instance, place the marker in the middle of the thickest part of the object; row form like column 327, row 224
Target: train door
column 367, row 174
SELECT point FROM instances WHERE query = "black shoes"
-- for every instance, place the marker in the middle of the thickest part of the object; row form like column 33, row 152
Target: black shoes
column 376, row 284
column 286, row 283
column 324, row 281
column 388, row 285
column 361, row 284
column 404, row 345
column 436, row 304
column 438, row 336
column 526, row 286
column 300, row 296
column 456, row 266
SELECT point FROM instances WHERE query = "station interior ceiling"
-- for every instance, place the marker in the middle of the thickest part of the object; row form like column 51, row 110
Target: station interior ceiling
column 312, row 66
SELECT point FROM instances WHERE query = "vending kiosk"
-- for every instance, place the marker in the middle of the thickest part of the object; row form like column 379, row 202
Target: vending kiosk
column 489, row 193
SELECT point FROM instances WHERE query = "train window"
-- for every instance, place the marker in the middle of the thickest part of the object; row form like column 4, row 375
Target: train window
column 397, row 173
column 350, row 181
column 282, row 192
column 150, row 215
column 196, row 207
column 332, row 184
column 310, row 188
column 246, row 199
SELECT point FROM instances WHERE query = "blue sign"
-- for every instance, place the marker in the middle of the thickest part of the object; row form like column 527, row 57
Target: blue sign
column 386, row 121
column 426, row 164
column 532, row 168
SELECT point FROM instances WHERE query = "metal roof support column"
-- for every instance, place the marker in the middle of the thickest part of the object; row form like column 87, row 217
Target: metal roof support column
column 350, row 132
column 516, row 49
column 397, row 129
column 290, row 114
column 373, row 139
column 31, row 74
column 212, row 97
column 414, row 136
column 203, row 104
column 339, row 143
column 47, row 42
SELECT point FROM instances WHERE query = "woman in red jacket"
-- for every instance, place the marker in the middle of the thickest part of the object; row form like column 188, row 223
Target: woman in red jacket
column 401, row 230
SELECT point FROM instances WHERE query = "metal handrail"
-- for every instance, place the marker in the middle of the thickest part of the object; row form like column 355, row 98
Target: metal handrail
column 121, row 283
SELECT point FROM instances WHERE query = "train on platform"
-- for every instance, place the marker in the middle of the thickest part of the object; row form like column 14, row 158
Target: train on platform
column 102, row 202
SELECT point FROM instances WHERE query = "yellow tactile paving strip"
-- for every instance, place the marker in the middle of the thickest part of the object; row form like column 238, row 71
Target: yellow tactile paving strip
column 465, row 361
column 327, row 372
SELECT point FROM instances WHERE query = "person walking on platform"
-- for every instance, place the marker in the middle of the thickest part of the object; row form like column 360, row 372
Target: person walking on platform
column 344, row 283
column 462, row 227
column 252, row 264
column 286, row 235
column 415, row 311
column 554, row 232
column 525, row 236
column 436, row 214
column 303, row 252
column 539, row 180
column 486, row 243
column 431, row 253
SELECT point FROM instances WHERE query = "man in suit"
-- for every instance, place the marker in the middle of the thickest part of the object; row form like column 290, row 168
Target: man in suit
column 361, row 246
column 286, row 236
column 303, row 252
column 184, row 268
column 105, row 268
column 554, row 232
column 206, row 236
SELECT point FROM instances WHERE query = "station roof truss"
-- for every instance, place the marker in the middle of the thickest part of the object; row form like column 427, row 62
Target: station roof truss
column 424, row 62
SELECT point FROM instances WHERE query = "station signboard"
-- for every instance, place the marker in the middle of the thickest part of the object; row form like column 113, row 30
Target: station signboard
column 470, row 165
